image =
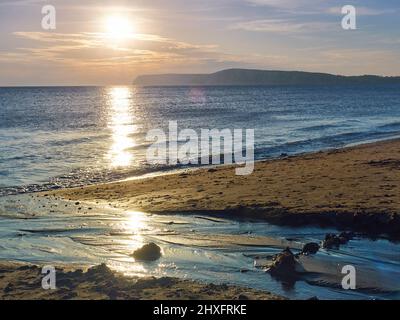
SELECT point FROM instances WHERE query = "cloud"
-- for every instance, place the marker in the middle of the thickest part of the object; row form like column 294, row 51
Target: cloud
column 362, row 11
column 282, row 26
column 21, row 2
column 97, row 51
column 285, row 4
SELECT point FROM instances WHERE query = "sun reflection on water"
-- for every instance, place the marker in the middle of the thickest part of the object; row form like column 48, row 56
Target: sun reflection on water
column 136, row 224
column 121, row 125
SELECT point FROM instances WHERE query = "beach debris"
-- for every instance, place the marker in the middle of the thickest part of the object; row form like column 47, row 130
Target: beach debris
column 149, row 252
column 310, row 248
column 284, row 265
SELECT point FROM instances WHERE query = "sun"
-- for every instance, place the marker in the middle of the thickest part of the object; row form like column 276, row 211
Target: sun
column 118, row 27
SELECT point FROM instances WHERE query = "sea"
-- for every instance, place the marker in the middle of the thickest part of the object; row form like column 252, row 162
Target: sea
column 57, row 137
column 54, row 137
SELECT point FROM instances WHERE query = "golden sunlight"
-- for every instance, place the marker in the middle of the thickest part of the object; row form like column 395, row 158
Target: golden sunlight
column 118, row 27
column 121, row 126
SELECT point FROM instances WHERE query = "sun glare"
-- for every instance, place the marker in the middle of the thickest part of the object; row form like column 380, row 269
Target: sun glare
column 118, row 27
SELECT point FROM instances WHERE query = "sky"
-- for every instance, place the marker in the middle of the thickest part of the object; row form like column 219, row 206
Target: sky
column 112, row 42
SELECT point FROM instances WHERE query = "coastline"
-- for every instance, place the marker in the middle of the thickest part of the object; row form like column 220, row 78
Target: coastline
column 355, row 188
column 23, row 282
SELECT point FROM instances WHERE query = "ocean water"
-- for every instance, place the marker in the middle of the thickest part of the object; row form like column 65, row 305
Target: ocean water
column 71, row 136
column 60, row 137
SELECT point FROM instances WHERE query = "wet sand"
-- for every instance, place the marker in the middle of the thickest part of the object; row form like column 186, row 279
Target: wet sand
column 24, row 282
column 352, row 188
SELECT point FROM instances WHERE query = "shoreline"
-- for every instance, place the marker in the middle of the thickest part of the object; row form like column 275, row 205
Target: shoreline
column 20, row 281
column 356, row 187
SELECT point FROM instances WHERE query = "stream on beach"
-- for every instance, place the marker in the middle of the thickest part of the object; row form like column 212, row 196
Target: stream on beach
column 44, row 230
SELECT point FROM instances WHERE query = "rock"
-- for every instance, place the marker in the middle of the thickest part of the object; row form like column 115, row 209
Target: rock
column 334, row 241
column 313, row 298
column 284, row 265
column 331, row 241
column 101, row 270
column 310, row 248
column 149, row 252
column 243, row 297
column 347, row 235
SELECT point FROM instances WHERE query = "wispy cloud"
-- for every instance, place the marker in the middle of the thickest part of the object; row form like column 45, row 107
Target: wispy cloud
column 362, row 11
column 283, row 26
column 285, row 4
column 21, row 2
column 95, row 50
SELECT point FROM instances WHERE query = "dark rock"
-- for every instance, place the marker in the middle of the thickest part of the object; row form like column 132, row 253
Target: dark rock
column 284, row 265
column 310, row 248
column 331, row 241
column 101, row 270
column 149, row 252
column 347, row 235
column 313, row 298
column 243, row 297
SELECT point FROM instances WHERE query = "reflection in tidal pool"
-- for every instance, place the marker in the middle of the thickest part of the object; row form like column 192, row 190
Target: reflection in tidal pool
column 211, row 250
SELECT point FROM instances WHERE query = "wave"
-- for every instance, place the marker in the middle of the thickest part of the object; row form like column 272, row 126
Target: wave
column 82, row 177
column 325, row 142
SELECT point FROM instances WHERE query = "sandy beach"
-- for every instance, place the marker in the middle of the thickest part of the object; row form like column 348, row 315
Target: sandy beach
column 23, row 282
column 355, row 188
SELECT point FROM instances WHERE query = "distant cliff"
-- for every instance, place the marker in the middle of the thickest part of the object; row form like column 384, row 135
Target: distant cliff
column 248, row 77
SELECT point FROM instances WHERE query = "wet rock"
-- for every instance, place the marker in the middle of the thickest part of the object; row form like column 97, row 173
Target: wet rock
column 284, row 265
column 101, row 269
column 149, row 252
column 331, row 241
column 334, row 241
column 243, row 297
column 347, row 235
column 310, row 248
